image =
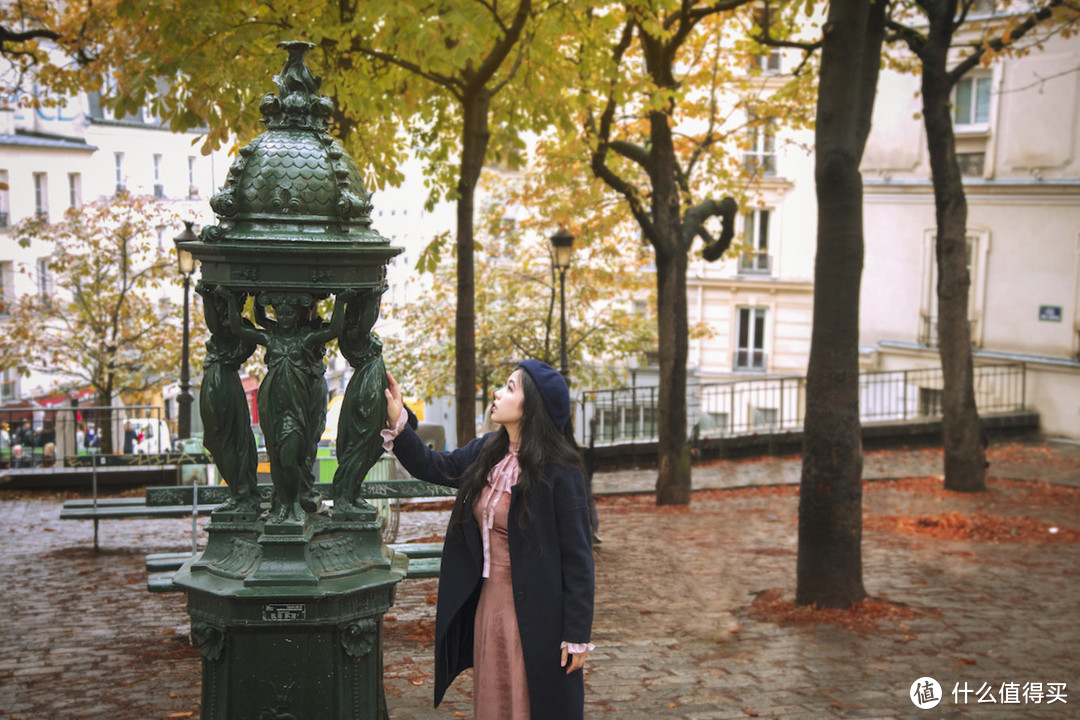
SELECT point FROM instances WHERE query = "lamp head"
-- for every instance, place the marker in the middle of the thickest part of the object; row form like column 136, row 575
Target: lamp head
column 562, row 246
column 184, row 257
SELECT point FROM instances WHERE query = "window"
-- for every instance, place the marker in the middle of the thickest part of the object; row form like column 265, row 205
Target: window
column 5, row 209
column 756, row 258
column 978, row 245
column 931, row 401
column 750, row 351
column 760, row 156
column 44, row 280
column 118, row 160
column 713, row 423
column 74, row 190
column 971, row 163
column 765, row 418
column 159, row 188
column 8, row 385
column 193, row 189
column 971, row 108
column 981, row 7
column 6, row 279
column 41, row 196
column 767, row 60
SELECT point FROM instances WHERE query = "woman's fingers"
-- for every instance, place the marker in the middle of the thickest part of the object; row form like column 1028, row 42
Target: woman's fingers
column 393, row 401
column 576, row 661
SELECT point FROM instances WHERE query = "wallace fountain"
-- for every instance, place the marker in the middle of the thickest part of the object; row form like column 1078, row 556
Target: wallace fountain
column 287, row 601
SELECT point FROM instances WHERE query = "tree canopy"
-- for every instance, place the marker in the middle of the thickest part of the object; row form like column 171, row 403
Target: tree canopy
column 102, row 317
column 661, row 100
column 517, row 300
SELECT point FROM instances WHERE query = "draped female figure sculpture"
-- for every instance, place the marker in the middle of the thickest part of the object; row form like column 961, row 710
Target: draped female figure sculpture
column 363, row 409
column 223, row 405
column 294, row 351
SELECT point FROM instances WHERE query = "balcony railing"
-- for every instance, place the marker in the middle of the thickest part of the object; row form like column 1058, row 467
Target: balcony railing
column 769, row 405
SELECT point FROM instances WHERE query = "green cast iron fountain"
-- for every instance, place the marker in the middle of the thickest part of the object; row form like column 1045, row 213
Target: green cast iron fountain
column 286, row 602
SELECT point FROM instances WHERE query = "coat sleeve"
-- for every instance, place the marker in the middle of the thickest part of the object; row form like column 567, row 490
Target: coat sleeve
column 440, row 468
column 575, row 546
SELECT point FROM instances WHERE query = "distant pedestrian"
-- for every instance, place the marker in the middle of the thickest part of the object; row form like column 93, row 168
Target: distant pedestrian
column 80, row 437
column 131, row 438
column 18, row 458
column 24, row 435
column 48, row 433
column 48, row 455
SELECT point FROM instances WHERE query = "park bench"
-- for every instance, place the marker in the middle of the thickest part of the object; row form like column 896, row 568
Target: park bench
column 194, row 500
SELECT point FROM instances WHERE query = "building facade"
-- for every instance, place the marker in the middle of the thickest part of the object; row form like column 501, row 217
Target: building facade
column 55, row 158
column 1018, row 142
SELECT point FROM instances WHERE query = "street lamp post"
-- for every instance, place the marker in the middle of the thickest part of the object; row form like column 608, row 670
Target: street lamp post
column 562, row 248
column 187, row 266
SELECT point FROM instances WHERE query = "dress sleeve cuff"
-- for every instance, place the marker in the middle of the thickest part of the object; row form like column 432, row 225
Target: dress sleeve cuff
column 577, row 648
column 389, row 434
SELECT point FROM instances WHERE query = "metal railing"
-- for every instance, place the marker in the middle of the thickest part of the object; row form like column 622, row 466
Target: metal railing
column 778, row 404
column 48, row 435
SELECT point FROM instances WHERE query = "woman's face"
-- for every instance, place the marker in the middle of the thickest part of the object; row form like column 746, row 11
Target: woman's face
column 509, row 401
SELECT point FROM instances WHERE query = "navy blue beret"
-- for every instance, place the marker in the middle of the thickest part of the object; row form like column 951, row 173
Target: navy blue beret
column 553, row 390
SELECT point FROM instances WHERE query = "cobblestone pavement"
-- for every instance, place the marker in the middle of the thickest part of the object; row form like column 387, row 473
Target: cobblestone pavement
column 674, row 631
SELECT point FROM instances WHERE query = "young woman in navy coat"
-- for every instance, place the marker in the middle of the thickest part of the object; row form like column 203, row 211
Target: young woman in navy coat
column 516, row 583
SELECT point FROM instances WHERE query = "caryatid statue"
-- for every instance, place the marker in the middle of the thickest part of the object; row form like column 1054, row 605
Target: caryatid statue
column 294, row 229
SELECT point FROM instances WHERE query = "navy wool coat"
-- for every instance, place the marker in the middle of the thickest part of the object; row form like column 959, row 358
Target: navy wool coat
column 551, row 566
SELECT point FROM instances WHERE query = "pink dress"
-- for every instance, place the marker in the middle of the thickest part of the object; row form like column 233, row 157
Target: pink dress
column 501, row 691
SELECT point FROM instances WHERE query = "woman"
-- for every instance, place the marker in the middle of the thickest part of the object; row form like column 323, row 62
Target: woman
column 516, row 584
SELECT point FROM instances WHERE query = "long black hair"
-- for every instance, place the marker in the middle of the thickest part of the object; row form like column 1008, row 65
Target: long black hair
column 542, row 444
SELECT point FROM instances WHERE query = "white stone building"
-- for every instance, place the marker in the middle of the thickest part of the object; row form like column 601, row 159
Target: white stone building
column 1017, row 125
column 55, row 158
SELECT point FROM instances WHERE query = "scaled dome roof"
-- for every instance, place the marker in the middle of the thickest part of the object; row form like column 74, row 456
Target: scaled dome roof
column 294, row 179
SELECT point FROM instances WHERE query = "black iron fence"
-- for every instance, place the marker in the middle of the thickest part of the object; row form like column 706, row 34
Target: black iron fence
column 35, row 437
column 778, row 404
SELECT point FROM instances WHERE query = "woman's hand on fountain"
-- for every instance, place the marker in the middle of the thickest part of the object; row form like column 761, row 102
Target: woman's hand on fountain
column 394, row 404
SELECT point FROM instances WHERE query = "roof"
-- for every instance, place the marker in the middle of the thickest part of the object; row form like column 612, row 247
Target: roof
column 47, row 142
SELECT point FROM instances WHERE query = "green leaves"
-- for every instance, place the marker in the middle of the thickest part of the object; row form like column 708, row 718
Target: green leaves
column 106, row 317
column 517, row 304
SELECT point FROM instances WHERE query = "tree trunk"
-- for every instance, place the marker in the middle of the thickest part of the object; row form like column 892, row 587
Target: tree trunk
column 965, row 456
column 474, row 141
column 829, row 566
column 105, row 423
column 673, row 478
